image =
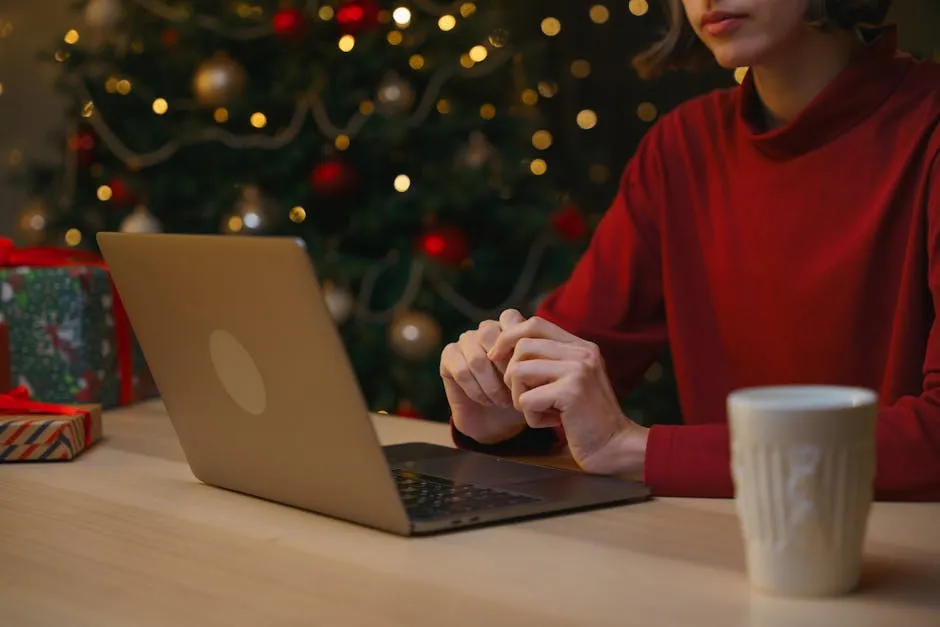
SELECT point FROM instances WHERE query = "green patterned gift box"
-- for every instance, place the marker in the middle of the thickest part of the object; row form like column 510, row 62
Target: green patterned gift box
column 69, row 339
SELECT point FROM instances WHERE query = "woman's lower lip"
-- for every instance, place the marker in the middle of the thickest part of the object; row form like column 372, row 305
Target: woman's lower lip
column 724, row 27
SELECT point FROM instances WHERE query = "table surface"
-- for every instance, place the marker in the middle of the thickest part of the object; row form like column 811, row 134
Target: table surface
column 126, row 536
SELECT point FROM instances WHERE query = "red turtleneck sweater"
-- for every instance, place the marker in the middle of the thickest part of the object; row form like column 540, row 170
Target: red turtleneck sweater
column 808, row 254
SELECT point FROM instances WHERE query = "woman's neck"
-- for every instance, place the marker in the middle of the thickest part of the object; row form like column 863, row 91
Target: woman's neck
column 789, row 81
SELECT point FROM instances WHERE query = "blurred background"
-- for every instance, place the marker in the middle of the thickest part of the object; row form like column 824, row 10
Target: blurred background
column 442, row 160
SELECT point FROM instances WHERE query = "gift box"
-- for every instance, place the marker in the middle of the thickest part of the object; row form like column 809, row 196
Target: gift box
column 34, row 431
column 69, row 338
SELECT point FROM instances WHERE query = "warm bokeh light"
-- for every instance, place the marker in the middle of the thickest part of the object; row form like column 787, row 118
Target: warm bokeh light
column 551, row 26
column 402, row 183
column 587, row 119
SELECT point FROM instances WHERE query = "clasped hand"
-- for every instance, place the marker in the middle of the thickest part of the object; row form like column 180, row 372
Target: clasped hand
column 516, row 372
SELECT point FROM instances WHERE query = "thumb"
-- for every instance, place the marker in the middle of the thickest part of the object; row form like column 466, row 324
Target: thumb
column 510, row 318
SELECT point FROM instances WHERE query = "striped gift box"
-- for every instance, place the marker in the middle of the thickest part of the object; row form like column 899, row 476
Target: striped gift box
column 45, row 437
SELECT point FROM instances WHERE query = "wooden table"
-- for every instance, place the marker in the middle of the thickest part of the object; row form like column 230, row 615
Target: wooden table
column 125, row 537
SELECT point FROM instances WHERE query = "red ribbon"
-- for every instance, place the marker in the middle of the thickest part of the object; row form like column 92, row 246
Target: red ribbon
column 53, row 257
column 16, row 401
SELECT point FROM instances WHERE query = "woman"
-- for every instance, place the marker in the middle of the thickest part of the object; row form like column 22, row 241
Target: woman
column 784, row 231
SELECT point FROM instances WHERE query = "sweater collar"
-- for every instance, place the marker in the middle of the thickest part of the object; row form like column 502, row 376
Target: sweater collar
column 847, row 100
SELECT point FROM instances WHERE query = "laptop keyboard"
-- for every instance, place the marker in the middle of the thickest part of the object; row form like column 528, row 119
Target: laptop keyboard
column 426, row 497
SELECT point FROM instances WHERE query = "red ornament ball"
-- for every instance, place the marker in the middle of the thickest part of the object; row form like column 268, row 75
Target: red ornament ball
column 355, row 16
column 333, row 178
column 406, row 410
column 569, row 223
column 120, row 194
column 289, row 23
column 83, row 145
column 447, row 245
column 169, row 37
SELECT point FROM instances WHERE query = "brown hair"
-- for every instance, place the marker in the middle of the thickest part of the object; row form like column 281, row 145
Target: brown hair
column 681, row 49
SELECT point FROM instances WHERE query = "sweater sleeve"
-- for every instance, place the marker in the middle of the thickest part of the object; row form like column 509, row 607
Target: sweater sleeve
column 694, row 461
column 613, row 296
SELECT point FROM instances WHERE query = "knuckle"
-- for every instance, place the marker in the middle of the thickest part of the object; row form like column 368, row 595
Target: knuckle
column 477, row 362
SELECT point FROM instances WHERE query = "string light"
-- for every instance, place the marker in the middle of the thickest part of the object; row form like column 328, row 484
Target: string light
column 402, row 17
column 538, row 167
column 551, row 26
column 416, row 62
column 467, row 9
column 347, row 43
column 220, row 115
column 251, row 219
column 639, row 7
column 395, row 37
column 646, row 111
column 123, row 87
column 587, row 119
column 466, row 61
column 88, row 109
column 61, row 56
column 366, row 107
column 297, row 214
column 1, row 89
column 402, row 183
column 443, row 106
column 530, row 97
column 739, row 74
column 580, row 68
column 104, row 193
column 487, row 112
column 325, row 13
column 447, row 23
column 599, row 14
column 71, row 37
column 478, row 53
column 341, row 142
column 73, row 237
column 110, row 85
column 542, row 140
column 160, row 106
column 234, row 224
column 258, row 119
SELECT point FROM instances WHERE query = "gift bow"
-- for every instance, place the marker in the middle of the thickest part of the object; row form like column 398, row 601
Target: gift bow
column 54, row 257
column 17, row 401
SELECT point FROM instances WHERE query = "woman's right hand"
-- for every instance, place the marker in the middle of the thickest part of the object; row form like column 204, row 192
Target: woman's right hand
column 480, row 402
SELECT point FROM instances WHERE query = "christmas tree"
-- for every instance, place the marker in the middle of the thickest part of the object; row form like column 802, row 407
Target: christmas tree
column 403, row 141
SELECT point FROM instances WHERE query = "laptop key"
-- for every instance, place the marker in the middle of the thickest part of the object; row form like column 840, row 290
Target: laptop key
column 426, row 497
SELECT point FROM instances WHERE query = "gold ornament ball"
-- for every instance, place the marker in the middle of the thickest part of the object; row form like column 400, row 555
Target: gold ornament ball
column 394, row 96
column 32, row 223
column 339, row 301
column 103, row 14
column 141, row 221
column 414, row 335
column 218, row 81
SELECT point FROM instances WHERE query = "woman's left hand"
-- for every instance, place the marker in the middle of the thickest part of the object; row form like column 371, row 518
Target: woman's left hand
column 558, row 378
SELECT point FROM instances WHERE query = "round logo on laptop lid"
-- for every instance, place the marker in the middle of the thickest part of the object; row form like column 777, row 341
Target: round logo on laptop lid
column 237, row 371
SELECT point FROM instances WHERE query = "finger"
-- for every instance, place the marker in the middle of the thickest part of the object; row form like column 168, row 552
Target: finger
column 539, row 348
column 522, row 376
column 454, row 368
column 538, row 405
column 534, row 327
column 510, row 318
column 489, row 331
column 488, row 378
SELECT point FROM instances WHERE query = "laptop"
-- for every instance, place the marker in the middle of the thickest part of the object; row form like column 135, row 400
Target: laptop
column 265, row 402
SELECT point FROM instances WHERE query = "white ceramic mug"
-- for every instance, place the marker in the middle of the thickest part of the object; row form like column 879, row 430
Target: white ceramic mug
column 803, row 463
